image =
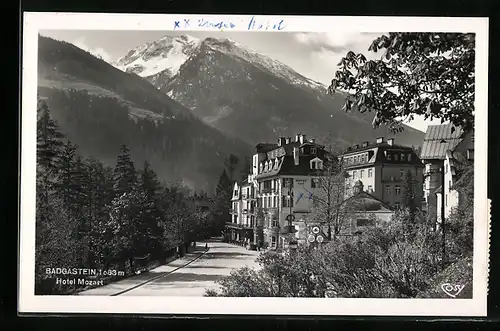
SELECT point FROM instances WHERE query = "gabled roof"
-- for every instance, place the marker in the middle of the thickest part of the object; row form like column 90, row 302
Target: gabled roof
column 438, row 139
column 286, row 166
column 265, row 147
column 365, row 202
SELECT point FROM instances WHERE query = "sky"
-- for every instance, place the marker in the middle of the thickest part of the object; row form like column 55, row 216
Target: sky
column 314, row 55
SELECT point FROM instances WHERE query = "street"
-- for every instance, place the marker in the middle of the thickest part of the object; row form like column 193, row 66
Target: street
column 190, row 279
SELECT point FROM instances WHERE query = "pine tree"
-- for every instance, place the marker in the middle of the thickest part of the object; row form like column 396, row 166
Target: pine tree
column 409, row 200
column 49, row 139
column 223, row 193
column 230, row 164
column 149, row 181
column 246, row 169
column 124, row 174
column 149, row 206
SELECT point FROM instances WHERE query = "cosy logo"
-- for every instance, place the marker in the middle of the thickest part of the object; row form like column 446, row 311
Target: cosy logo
column 452, row 290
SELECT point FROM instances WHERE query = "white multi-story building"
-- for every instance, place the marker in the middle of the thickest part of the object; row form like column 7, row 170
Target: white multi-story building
column 284, row 175
column 437, row 141
column 454, row 173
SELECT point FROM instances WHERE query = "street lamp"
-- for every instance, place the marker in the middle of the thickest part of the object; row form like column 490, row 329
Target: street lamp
column 289, row 230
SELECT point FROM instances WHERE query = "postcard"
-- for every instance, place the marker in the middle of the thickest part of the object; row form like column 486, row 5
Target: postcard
column 254, row 165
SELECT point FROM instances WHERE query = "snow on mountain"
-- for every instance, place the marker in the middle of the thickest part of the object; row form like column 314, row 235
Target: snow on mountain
column 234, row 48
column 165, row 54
column 169, row 53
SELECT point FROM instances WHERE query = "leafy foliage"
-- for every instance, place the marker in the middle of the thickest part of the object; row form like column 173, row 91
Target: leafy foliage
column 396, row 259
column 93, row 216
column 428, row 74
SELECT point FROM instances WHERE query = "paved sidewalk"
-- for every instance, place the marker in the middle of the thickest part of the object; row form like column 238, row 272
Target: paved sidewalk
column 195, row 278
column 138, row 280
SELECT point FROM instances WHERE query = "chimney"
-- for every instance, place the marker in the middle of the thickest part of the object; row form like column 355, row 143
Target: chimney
column 281, row 141
column 302, row 138
column 349, row 148
column 288, row 140
column 296, row 155
column 297, row 137
column 365, row 143
column 390, row 141
column 355, row 147
column 312, row 141
column 380, row 140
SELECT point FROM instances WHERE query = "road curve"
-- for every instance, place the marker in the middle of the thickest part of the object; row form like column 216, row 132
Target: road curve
column 190, row 275
column 195, row 278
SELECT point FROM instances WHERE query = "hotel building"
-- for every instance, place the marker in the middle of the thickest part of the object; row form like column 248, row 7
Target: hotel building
column 381, row 167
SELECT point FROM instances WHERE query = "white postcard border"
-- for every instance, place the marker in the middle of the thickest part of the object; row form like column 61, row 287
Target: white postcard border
column 28, row 302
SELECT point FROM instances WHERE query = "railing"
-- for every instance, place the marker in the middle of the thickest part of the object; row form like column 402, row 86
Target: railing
column 392, row 179
column 248, row 210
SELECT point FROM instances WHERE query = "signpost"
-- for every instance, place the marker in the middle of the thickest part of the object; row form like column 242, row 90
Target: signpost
column 315, row 236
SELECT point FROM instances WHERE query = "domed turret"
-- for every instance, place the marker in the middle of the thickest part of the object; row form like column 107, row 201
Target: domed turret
column 358, row 187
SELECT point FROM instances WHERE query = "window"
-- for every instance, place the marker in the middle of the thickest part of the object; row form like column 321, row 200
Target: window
column 449, row 185
column 401, row 174
column 313, row 150
column 235, row 192
column 354, row 174
column 274, row 223
column 313, row 165
column 235, row 219
column 287, row 182
column 370, row 189
column 314, row 182
column 388, row 156
column 396, row 157
column 402, row 157
column 273, row 241
column 276, row 201
column 388, row 189
column 409, row 157
column 446, row 168
column 396, row 204
column 365, row 222
column 370, row 173
column 361, row 173
column 446, row 199
column 287, row 202
column 397, row 189
column 269, row 202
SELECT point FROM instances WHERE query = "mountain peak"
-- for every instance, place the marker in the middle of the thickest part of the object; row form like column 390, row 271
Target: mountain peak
column 166, row 53
column 169, row 53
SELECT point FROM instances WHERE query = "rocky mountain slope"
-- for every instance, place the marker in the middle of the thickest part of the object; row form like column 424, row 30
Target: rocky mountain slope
column 249, row 95
column 99, row 108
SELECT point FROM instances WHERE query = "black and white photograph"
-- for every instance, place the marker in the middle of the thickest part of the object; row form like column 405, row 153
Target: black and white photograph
column 228, row 158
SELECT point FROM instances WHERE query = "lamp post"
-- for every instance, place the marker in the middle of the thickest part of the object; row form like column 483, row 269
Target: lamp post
column 443, row 230
column 290, row 230
column 443, row 201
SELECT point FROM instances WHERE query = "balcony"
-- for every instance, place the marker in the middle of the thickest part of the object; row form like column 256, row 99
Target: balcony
column 267, row 190
column 248, row 211
column 239, row 226
column 392, row 179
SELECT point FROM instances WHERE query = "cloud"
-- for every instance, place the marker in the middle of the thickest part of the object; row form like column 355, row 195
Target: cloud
column 96, row 51
column 333, row 41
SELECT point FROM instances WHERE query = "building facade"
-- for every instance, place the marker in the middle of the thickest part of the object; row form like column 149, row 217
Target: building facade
column 437, row 141
column 454, row 173
column 381, row 167
column 243, row 203
column 284, row 176
column 365, row 210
